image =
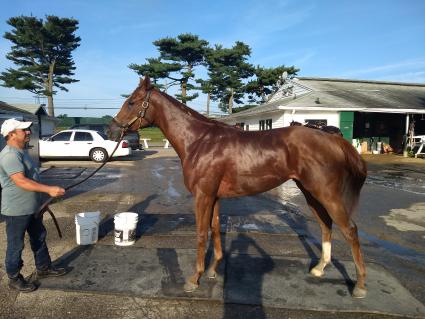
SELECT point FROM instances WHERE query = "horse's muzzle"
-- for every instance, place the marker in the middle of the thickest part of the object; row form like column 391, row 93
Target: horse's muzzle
column 114, row 131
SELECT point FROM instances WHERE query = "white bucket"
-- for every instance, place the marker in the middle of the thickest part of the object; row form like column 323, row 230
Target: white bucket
column 87, row 227
column 125, row 228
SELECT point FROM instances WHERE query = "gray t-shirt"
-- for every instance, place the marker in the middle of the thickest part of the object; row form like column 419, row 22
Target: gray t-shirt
column 16, row 201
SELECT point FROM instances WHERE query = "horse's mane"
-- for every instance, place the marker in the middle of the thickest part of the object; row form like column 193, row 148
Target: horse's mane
column 192, row 112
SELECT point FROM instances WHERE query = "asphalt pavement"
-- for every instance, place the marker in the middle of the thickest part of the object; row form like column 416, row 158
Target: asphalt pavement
column 270, row 241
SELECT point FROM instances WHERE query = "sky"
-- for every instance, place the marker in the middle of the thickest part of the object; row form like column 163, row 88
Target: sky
column 361, row 39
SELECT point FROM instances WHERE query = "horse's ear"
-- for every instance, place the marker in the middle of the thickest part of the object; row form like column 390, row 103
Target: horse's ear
column 145, row 83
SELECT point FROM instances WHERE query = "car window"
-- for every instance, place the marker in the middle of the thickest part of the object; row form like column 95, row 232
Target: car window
column 64, row 136
column 83, row 136
column 104, row 136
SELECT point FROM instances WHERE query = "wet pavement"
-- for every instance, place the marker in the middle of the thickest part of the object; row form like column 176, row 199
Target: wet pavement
column 270, row 241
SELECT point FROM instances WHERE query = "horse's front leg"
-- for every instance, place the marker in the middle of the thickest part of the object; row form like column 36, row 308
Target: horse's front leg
column 203, row 212
column 215, row 236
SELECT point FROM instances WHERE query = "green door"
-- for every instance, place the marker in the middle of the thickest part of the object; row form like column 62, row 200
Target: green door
column 346, row 121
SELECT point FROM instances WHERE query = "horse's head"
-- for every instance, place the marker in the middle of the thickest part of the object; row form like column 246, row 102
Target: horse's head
column 136, row 111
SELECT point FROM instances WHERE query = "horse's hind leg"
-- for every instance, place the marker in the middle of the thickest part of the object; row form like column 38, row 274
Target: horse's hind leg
column 325, row 223
column 215, row 236
column 348, row 228
column 203, row 212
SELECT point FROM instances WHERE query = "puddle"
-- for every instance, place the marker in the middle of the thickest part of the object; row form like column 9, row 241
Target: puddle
column 156, row 170
column 407, row 184
column 402, row 252
column 171, row 191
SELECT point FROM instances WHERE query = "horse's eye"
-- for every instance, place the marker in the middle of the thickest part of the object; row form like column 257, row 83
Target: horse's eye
column 130, row 104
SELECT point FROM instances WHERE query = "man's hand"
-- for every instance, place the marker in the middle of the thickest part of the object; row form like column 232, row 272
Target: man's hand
column 55, row 191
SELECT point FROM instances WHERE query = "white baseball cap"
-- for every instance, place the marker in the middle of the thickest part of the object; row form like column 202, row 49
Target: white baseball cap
column 13, row 124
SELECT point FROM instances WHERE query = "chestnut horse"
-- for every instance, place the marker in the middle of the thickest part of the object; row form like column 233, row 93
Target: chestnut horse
column 219, row 161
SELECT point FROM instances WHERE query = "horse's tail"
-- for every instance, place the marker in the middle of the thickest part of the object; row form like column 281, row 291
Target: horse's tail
column 355, row 176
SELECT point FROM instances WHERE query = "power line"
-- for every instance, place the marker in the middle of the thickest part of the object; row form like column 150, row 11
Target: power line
column 86, row 108
column 43, row 97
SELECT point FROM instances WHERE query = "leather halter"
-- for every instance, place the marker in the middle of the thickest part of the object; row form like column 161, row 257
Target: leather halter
column 140, row 114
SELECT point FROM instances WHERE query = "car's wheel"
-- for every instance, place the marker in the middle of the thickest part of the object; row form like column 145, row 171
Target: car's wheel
column 98, row 155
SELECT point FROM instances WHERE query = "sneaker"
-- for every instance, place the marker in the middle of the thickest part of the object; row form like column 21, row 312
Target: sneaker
column 20, row 284
column 51, row 272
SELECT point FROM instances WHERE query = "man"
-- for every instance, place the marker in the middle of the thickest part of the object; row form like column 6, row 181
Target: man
column 20, row 200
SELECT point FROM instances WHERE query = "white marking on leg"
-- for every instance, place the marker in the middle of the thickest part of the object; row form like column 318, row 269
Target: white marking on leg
column 324, row 260
column 326, row 252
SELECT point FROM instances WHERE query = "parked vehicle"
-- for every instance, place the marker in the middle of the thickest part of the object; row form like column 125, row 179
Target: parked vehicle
column 133, row 138
column 82, row 143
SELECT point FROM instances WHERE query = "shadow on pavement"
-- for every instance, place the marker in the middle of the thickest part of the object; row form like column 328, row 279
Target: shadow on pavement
column 298, row 223
column 238, row 258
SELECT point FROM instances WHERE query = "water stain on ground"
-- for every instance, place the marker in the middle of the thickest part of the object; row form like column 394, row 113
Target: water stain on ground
column 409, row 219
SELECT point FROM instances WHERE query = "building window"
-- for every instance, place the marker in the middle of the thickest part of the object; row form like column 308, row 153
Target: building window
column 262, row 124
column 317, row 123
column 269, row 124
column 247, row 127
column 265, row 124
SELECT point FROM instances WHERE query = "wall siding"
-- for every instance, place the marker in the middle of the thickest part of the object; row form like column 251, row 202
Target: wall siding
column 283, row 118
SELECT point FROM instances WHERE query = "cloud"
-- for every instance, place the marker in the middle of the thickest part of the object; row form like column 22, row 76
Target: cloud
column 261, row 24
column 404, row 67
column 412, row 77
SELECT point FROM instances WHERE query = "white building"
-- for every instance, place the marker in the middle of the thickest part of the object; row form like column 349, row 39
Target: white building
column 361, row 109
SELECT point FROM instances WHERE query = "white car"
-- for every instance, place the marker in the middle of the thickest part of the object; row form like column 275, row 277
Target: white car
column 82, row 143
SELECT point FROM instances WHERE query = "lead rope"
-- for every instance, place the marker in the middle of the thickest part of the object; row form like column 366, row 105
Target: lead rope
column 45, row 206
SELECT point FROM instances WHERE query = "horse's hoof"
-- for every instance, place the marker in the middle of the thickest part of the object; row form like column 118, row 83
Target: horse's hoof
column 190, row 286
column 316, row 272
column 211, row 274
column 359, row 292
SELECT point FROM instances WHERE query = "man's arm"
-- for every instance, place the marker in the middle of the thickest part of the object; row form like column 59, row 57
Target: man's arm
column 30, row 185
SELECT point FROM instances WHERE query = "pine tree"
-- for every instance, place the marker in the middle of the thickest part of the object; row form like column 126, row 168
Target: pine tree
column 207, row 88
column 227, row 69
column 177, row 62
column 42, row 53
column 267, row 81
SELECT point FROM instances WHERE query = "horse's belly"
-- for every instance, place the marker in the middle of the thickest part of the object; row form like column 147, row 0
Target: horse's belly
column 242, row 186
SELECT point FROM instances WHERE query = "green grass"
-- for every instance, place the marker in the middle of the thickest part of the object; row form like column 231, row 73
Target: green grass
column 153, row 133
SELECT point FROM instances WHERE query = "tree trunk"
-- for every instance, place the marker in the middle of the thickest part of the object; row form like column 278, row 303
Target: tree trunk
column 184, row 85
column 50, row 108
column 231, row 101
column 263, row 94
column 49, row 90
column 208, row 104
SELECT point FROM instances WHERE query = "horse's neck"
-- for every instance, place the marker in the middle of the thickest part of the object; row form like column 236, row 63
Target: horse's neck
column 181, row 125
